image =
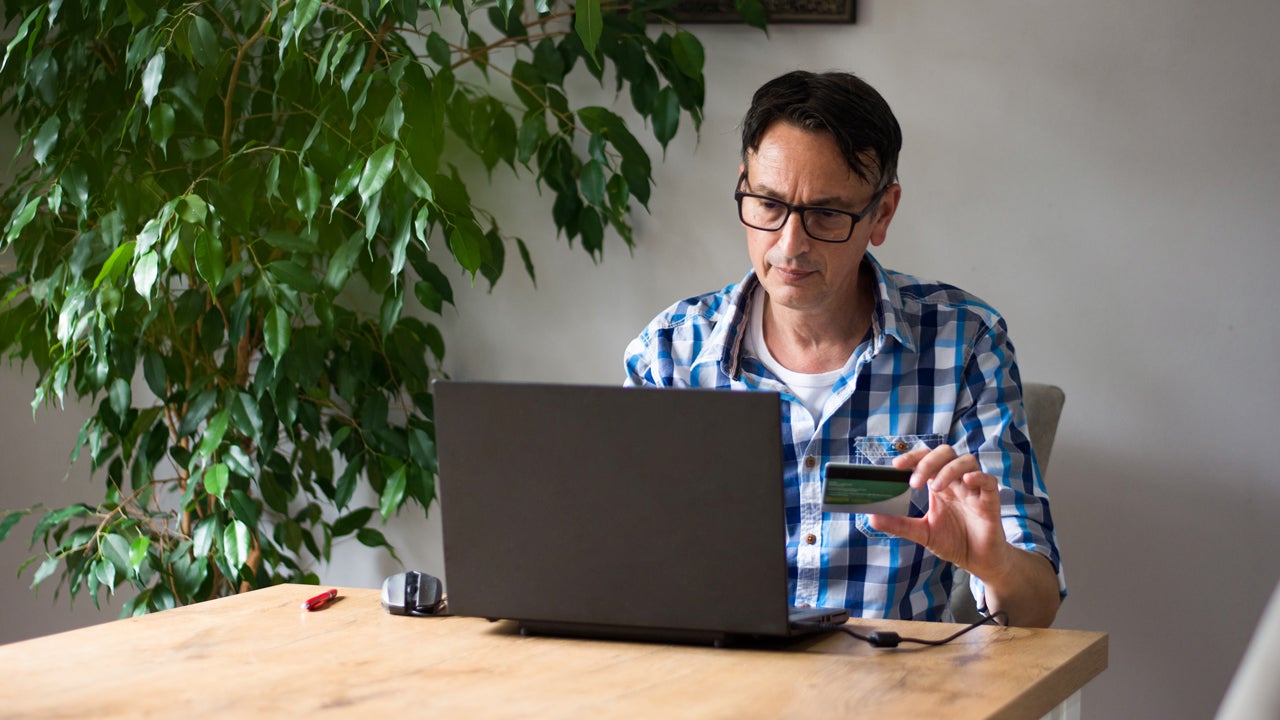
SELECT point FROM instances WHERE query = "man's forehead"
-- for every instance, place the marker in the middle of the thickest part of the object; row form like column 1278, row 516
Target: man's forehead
column 825, row 181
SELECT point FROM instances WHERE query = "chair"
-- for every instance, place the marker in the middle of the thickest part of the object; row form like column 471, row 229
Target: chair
column 1044, row 407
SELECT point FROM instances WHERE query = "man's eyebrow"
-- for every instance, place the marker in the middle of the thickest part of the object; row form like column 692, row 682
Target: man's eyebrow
column 834, row 201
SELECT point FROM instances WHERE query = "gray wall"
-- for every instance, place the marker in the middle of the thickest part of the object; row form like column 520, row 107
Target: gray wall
column 1105, row 174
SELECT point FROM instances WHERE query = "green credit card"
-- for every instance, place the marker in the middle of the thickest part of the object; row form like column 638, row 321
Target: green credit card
column 866, row 489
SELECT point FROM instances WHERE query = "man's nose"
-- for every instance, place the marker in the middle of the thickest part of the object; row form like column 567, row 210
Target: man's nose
column 792, row 237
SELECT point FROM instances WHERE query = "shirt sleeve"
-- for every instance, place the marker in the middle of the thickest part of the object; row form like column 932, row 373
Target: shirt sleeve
column 991, row 423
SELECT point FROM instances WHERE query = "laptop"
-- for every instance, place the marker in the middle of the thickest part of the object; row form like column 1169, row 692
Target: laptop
column 632, row 513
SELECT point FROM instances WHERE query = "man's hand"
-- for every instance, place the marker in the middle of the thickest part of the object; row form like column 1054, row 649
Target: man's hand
column 963, row 527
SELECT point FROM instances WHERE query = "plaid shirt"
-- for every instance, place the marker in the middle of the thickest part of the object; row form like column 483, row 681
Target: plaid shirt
column 939, row 368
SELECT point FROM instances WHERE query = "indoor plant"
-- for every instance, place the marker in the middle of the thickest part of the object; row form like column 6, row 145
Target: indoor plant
column 226, row 230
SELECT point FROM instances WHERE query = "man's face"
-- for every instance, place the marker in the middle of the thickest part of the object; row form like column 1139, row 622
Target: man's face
column 806, row 168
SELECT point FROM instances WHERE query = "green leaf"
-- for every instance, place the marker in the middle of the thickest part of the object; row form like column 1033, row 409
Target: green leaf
column 213, row 434
column 45, row 570
column 11, row 518
column 274, row 494
column 592, row 182
column 393, row 493
column 247, row 416
column 371, row 537
column 193, row 209
column 116, row 549
column 438, row 50
column 688, row 53
column 209, row 258
column 105, row 571
column 467, row 244
column 276, row 332
column 393, row 118
column 588, row 23
column 273, row 177
column 306, row 188
column 428, row 296
column 138, row 552
column 23, row 29
column 291, row 242
column 527, row 260
column 435, row 341
column 21, row 218
column 115, row 265
column 155, row 375
column 235, row 544
column 151, row 77
column 197, row 410
column 204, row 41
column 120, row 396
column 376, row 171
column 145, row 272
column 294, row 275
column 347, row 483
column 346, row 183
column 752, row 13
column 161, row 122
column 592, row 231
column 55, row 518
column 352, row 521
column 389, row 314
column 342, row 262
column 666, row 115
column 243, row 507
column 216, row 479
column 45, row 139
column 202, row 537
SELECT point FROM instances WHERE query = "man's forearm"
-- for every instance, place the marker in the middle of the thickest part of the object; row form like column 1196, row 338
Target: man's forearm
column 1027, row 591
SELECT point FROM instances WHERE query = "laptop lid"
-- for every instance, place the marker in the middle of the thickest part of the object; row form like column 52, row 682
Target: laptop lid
column 595, row 509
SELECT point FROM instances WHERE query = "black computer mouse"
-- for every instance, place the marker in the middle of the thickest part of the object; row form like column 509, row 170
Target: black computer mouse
column 413, row 593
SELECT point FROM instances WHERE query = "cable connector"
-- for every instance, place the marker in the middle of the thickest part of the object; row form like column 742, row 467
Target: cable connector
column 884, row 639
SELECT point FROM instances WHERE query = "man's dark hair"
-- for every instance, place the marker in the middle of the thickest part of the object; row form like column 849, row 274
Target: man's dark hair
column 842, row 104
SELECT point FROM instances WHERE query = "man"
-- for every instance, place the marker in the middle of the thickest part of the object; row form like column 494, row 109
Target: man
column 873, row 366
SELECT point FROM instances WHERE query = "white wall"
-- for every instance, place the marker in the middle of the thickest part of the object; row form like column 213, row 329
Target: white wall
column 1107, row 176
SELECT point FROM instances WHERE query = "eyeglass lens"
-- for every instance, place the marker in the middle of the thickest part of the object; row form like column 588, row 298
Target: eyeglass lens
column 767, row 214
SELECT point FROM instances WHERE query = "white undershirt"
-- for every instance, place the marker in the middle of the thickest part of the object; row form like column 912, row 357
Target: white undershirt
column 812, row 389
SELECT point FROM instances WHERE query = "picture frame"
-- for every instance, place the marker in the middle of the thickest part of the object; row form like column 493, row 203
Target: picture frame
column 777, row 11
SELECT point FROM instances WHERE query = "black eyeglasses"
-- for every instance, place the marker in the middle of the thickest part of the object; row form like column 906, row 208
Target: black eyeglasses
column 821, row 223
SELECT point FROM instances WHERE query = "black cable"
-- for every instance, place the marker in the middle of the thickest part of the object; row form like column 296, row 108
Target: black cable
column 887, row 639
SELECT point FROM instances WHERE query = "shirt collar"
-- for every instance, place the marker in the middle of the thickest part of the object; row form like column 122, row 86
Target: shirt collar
column 724, row 347
column 889, row 319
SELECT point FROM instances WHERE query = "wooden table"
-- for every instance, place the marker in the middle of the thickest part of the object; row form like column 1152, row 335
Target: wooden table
column 260, row 655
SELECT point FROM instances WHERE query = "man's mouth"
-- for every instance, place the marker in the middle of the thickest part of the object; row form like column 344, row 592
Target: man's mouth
column 787, row 273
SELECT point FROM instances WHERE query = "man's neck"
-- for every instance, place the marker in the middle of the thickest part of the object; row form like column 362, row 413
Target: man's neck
column 820, row 340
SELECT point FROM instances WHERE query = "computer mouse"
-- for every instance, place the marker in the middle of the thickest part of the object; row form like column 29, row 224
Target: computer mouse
column 413, row 593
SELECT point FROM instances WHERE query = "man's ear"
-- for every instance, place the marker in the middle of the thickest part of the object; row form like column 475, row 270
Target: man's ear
column 884, row 211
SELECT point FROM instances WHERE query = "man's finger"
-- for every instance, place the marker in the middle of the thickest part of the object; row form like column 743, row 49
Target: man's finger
column 913, row 529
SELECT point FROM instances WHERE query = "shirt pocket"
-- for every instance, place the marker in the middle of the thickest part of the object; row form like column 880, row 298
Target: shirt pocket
column 881, row 450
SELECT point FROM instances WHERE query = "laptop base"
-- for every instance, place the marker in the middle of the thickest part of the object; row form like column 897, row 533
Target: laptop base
column 803, row 621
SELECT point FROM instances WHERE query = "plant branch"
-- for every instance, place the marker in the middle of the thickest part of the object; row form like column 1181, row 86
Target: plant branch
column 241, row 51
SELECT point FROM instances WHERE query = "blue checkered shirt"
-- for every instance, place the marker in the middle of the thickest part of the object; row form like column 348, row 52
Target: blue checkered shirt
column 938, row 368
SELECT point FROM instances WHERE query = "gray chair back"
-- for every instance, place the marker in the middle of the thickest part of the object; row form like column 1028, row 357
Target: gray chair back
column 1044, row 408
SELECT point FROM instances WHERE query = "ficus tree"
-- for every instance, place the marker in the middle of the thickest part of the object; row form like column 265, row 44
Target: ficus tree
column 231, row 222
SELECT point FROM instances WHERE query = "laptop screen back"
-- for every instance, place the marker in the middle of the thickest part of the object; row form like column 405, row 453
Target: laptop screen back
column 613, row 507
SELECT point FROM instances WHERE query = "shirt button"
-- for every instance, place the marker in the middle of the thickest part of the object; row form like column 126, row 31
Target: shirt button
column 901, row 446
column 810, row 461
column 811, row 538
